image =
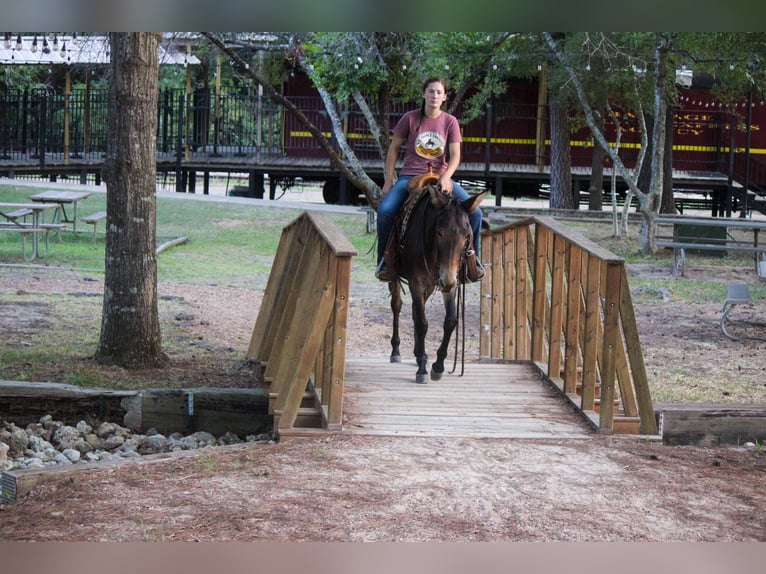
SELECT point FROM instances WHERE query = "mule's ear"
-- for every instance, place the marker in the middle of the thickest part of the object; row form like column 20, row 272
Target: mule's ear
column 472, row 203
column 439, row 199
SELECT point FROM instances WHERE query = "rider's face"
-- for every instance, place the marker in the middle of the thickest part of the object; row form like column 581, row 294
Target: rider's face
column 434, row 94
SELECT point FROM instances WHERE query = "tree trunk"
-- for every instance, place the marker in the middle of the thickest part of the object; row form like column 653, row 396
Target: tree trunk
column 596, row 187
column 561, row 159
column 658, row 141
column 668, row 204
column 130, row 328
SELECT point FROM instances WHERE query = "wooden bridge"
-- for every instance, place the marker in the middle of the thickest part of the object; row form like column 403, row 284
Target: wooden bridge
column 559, row 345
column 490, row 400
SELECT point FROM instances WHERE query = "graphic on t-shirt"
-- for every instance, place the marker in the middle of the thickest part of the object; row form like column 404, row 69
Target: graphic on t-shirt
column 429, row 145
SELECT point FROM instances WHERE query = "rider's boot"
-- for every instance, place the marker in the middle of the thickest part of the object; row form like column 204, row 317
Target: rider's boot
column 382, row 273
column 474, row 269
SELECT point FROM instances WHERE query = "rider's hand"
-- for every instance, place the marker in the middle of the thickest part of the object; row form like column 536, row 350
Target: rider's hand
column 386, row 188
column 446, row 184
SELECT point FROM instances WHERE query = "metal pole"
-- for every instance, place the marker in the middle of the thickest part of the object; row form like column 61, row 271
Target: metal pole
column 743, row 213
column 179, row 144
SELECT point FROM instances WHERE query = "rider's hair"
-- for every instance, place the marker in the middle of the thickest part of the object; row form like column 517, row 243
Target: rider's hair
column 426, row 83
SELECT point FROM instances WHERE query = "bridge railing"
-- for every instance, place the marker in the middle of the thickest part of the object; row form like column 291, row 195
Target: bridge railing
column 299, row 338
column 557, row 299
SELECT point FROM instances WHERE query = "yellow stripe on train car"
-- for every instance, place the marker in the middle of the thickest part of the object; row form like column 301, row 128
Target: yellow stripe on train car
column 573, row 143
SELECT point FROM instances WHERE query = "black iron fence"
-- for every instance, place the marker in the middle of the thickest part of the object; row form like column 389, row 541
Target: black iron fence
column 44, row 125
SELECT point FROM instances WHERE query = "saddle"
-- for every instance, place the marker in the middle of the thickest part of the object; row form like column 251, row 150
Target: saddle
column 417, row 187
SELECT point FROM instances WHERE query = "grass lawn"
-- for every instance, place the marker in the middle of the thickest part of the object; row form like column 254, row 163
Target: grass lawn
column 231, row 244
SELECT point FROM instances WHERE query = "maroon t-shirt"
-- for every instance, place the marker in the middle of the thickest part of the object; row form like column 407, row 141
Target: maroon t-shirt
column 426, row 140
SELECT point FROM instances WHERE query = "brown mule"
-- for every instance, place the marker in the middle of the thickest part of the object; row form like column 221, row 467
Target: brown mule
column 430, row 250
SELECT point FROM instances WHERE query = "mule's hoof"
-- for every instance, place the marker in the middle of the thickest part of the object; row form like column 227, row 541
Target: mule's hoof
column 421, row 379
column 436, row 376
column 396, row 358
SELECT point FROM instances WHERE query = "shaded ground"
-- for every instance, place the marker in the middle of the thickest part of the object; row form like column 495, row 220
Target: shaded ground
column 390, row 489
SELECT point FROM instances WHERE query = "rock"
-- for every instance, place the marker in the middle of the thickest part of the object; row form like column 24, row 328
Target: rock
column 228, row 438
column 203, row 438
column 72, row 454
column 82, row 446
column 65, row 437
column 61, row 458
column 94, row 441
column 50, row 424
column 51, row 442
column 38, row 444
column 36, row 463
column 113, row 442
column 83, row 428
column 153, row 444
column 104, row 430
column 18, row 441
column 35, row 429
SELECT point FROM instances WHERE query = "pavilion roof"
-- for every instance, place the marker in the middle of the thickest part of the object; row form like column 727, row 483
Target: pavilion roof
column 70, row 49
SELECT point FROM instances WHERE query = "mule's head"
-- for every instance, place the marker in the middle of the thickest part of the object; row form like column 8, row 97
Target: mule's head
column 452, row 235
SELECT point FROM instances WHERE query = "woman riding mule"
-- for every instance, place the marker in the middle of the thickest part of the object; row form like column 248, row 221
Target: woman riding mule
column 431, row 139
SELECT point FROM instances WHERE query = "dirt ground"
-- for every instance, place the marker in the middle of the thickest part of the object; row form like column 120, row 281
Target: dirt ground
column 413, row 489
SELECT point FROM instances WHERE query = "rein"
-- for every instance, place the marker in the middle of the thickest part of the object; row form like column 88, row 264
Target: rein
column 461, row 321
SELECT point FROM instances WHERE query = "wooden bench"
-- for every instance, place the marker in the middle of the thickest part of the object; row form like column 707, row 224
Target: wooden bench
column 93, row 220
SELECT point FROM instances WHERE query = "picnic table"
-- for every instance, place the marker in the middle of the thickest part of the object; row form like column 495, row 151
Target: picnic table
column 14, row 219
column 62, row 198
column 682, row 242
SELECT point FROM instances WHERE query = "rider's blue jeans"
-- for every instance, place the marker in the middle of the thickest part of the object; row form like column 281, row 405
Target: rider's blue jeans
column 391, row 204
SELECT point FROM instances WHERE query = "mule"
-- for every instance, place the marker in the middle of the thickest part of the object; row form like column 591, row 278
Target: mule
column 431, row 252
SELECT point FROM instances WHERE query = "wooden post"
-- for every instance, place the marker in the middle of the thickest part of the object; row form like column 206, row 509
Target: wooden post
column 332, row 389
column 497, row 332
column 508, row 254
column 592, row 331
column 557, row 306
column 574, row 306
column 611, row 332
column 636, row 359
column 485, row 301
column 539, row 287
column 524, row 299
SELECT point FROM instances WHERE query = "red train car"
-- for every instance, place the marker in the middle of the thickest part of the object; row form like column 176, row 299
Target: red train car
column 509, row 146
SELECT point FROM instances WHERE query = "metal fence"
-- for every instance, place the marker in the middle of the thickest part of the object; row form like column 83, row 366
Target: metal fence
column 40, row 125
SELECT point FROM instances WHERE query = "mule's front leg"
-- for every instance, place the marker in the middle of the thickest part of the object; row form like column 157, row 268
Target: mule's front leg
column 396, row 307
column 421, row 329
column 450, row 322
